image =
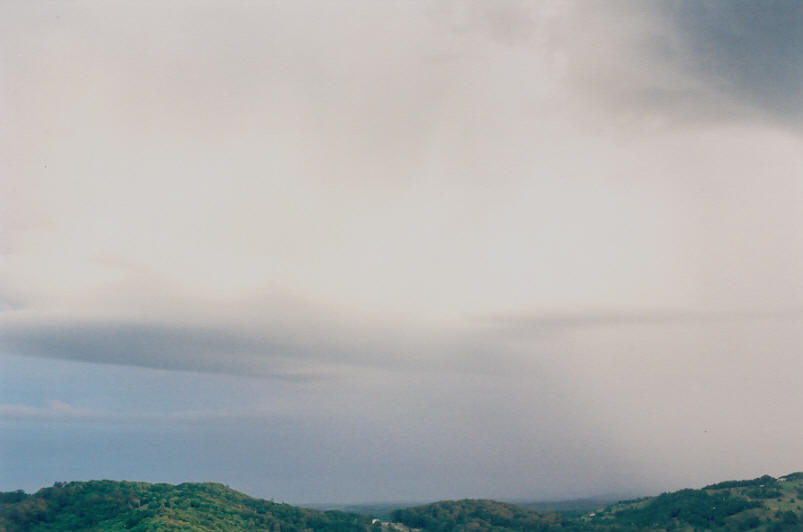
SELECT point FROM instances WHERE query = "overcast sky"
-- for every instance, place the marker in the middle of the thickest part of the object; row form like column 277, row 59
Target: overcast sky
column 401, row 250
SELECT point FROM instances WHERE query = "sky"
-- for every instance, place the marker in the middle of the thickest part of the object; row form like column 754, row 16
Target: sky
column 402, row 250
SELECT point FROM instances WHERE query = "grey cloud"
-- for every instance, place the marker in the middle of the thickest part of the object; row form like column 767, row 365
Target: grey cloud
column 667, row 62
column 750, row 50
column 506, row 22
column 7, row 304
column 302, row 351
column 164, row 346
column 297, row 351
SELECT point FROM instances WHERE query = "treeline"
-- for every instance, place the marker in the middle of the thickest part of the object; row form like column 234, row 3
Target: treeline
column 112, row 506
column 474, row 515
column 765, row 480
column 764, row 504
column 761, row 505
column 686, row 507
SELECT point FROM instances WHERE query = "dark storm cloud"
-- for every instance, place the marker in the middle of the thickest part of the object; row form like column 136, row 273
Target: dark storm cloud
column 163, row 346
column 279, row 351
column 300, row 350
column 750, row 50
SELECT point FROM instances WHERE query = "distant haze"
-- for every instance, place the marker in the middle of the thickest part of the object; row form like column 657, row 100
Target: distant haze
column 401, row 250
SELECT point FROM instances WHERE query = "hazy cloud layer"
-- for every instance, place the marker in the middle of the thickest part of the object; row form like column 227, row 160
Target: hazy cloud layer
column 417, row 250
column 64, row 412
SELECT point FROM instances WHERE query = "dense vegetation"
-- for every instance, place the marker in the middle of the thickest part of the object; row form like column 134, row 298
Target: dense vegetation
column 571, row 507
column 764, row 504
column 760, row 481
column 697, row 508
column 110, row 506
column 468, row 515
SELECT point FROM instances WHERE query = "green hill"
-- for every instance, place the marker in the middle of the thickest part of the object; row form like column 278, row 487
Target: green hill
column 105, row 505
column 472, row 514
column 763, row 504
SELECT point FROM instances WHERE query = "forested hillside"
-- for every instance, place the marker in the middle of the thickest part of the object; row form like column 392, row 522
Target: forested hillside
column 764, row 504
column 470, row 514
column 761, row 504
column 110, row 506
